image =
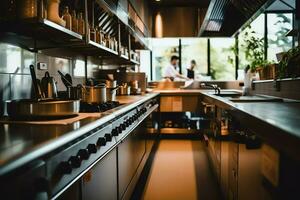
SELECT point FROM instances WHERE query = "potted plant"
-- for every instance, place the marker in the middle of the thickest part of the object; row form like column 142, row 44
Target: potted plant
column 289, row 66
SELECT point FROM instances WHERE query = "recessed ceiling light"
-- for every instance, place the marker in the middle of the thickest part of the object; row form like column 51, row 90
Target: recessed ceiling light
column 157, row 0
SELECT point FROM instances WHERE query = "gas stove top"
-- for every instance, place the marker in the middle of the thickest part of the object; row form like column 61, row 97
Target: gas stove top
column 92, row 108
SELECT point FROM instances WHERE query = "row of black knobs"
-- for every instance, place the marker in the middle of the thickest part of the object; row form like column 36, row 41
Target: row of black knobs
column 83, row 154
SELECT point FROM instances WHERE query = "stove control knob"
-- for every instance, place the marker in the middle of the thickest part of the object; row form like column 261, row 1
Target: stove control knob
column 120, row 129
column 123, row 126
column 92, row 148
column 115, row 132
column 84, row 154
column 108, row 137
column 75, row 161
column 65, row 167
column 127, row 123
column 101, row 141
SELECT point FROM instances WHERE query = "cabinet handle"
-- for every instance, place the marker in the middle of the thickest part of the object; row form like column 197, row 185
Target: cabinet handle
column 234, row 174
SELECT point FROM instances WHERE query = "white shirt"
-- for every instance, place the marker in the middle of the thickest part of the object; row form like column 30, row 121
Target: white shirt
column 170, row 71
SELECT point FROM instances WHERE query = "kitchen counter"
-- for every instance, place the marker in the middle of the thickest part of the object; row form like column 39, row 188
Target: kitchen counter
column 21, row 143
column 276, row 122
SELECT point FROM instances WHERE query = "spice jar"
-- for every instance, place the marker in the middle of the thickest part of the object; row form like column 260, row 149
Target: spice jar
column 67, row 17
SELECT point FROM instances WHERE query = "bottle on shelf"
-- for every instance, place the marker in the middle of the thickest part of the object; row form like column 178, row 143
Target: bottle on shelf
column 107, row 40
column 116, row 44
column 98, row 35
column 67, row 17
column 81, row 24
column 92, row 33
column 74, row 21
column 102, row 38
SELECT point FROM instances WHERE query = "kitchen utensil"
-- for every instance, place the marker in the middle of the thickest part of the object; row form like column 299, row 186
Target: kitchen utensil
column 111, row 90
column 66, row 79
column 135, row 87
column 28, row 108
column 73, row 92
column 49, row 87
column 36, row 86
column 94, row 94
column 124, row 89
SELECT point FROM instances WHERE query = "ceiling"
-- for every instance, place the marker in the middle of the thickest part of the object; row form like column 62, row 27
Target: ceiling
column 181, row 3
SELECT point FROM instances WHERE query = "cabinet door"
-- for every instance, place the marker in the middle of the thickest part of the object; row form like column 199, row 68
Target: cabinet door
column 101, row 181
column 224, row 167
column 249, row 179
column 130, row 154
column 233, row 171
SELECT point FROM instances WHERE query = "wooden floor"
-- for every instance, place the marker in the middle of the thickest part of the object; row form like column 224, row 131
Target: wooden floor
column 180, row 171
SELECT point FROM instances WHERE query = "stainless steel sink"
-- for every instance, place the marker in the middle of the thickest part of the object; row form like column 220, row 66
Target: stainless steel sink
column 246, row 99
column 231, row 94
column 237, row 97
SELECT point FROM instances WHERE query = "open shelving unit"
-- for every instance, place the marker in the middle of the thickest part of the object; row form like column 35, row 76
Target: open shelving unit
column 42, row 34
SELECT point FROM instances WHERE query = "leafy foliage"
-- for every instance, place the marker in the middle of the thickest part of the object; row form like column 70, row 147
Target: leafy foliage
column 254, row 49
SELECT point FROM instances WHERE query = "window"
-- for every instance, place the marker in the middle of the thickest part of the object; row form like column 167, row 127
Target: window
column 278, row 25
column 194, row 49
column 222, row 58
column 14, row 59
column 163, row 49
column 145, row 62
column 255, row 29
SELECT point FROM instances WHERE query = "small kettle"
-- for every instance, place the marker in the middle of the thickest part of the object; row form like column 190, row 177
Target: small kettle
column 48, row 85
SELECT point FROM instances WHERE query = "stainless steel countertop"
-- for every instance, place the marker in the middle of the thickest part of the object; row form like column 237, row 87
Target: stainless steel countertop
column 22, row 143
column 276, row 122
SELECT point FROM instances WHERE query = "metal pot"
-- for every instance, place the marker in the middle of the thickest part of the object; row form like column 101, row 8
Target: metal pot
column 28, row 108
column 124, row 89
column 94, row 94
column 111, row 90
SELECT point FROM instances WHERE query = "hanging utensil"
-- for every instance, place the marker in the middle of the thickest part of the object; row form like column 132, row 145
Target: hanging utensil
column 36, row 86
column 49, row 87
column 66, row 79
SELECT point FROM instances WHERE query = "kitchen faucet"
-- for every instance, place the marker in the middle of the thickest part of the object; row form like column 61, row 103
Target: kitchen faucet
column 214, row 86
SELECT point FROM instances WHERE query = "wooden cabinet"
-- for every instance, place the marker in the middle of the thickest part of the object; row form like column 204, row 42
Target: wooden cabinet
column 179, row 103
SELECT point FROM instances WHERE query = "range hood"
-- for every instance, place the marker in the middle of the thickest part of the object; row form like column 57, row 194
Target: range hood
column 225, row 17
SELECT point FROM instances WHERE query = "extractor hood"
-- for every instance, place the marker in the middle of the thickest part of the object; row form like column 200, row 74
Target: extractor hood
column 225, row 17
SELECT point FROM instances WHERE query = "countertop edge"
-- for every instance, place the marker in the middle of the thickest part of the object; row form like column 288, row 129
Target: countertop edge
column 44, row 148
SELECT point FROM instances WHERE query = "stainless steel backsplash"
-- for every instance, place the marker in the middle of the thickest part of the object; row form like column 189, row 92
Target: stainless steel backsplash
column 15, row 79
